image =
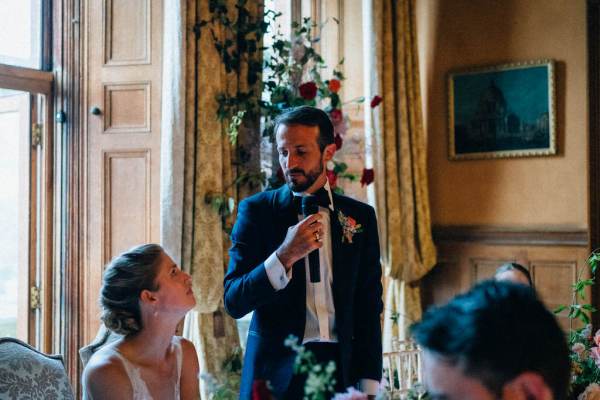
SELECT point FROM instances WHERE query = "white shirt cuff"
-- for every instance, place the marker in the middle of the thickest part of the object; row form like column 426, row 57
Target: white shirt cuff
column 276, row 272
column 369, row 386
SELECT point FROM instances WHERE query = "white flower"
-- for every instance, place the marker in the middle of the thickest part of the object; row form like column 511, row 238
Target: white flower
column 351, row 394
column 592, row 392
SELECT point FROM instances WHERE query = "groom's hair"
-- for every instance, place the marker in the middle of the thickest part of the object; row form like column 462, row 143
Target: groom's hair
column 308, row 116
column 494, row 333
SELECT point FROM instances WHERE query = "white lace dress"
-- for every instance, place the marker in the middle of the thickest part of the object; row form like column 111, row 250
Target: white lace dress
column 140, row 390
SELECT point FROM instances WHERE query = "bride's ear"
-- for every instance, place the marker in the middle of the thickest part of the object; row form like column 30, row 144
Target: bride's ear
column 527, row 386
column 147, row 296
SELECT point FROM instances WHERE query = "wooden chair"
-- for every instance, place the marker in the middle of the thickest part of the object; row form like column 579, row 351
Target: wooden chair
column 402, row 368
column 26, row 373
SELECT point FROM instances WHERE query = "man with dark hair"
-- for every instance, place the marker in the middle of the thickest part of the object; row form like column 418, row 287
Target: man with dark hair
column 337, row 317
column 497, row 341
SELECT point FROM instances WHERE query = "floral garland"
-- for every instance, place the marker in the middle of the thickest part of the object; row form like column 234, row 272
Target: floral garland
column 585, row 347
column 291, row 71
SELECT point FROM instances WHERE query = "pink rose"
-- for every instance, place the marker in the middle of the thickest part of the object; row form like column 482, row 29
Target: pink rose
column 340, row 128
column 336, row 116
column 597, row 338
column 595, row 354
column 592, row 392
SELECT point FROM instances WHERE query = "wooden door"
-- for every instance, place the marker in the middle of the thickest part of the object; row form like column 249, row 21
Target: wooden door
column 122, row 71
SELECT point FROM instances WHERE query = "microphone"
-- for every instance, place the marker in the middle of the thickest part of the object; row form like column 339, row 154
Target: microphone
column 311, row 206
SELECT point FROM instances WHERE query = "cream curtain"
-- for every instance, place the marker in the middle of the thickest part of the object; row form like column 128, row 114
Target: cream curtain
column 209, row 167
column 396, row 141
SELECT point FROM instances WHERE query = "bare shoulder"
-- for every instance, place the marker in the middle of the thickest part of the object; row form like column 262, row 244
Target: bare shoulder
column 189, row 352
column 104, row 377
column 190, row 370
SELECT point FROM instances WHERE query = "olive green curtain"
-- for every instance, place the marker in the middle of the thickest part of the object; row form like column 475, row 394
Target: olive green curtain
column 397, row 144
column 209, row 169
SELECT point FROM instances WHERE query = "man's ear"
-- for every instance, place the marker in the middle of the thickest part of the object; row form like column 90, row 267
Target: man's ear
column 328, row 152
column 527, row 386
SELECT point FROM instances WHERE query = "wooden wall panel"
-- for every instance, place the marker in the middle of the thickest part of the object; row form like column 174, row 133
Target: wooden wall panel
column 126, row 26
column 126, row 201
column 127, row 107
column 122, row 97
column 554, row 266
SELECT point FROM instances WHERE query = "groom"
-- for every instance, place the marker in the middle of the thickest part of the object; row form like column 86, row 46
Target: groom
column 337, row 318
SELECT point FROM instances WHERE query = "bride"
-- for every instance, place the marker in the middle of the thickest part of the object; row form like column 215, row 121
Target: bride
column 144, row 295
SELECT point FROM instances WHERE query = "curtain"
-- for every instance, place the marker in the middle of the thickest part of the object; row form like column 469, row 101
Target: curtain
column 210, row 167
column 396, row 144
column 173, row 127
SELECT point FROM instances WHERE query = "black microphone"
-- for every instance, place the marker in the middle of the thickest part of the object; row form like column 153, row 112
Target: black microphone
column 311, row 206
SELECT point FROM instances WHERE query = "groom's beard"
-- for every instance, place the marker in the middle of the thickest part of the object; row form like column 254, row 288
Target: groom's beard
column 310, row 176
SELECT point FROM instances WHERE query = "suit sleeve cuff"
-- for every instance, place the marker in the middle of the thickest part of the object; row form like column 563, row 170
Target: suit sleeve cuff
column 276, row 272
column 369, row 386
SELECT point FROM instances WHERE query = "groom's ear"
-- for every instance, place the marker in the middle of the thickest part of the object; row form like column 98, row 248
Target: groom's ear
column 527, row 386
column 329, row 151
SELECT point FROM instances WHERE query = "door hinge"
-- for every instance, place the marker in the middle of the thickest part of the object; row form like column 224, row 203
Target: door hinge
column 36, row 135
column 35, row 298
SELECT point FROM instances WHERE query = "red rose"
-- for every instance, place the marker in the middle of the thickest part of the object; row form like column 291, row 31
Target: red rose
column 308, row 90
column 334, row 85
column 260, row 390
column 368, row 176
column 332, row 177
column 336, row 116
column 375, row 101
column 338, row 142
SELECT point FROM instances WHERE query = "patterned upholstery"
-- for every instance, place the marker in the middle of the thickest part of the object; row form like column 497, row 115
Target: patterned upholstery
column 26, row 373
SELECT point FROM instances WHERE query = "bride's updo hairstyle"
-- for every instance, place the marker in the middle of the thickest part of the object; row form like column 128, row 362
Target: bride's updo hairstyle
column 124, row 279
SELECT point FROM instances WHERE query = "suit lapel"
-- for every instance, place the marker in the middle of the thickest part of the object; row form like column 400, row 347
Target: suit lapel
column 338, row 249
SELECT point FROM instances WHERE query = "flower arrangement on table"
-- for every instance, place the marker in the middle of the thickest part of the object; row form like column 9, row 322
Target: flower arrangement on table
column 585, row 346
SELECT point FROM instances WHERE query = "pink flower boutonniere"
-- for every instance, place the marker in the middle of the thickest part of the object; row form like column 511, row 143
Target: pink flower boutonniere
column 349, row 227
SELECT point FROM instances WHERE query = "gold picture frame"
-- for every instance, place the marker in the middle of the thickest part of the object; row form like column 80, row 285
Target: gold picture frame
column 502, row 111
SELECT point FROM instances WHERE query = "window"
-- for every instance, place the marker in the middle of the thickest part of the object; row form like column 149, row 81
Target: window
column 26, row 168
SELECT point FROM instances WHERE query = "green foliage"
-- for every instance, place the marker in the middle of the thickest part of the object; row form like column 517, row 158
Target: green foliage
column 584, row 353
column 320, row 379
column 262, row 88
column 226, row 385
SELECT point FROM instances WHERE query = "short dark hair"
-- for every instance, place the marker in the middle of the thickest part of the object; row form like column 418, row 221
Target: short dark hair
column 308, row 116
column 514, row 266
column 494, row 333
column 124, row 279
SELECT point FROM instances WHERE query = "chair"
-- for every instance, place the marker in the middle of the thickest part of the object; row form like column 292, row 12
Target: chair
column 26, row 373
column 104, row 337
column 402, row 369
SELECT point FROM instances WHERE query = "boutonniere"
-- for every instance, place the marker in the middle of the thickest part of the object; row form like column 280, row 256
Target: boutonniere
column 349, row 227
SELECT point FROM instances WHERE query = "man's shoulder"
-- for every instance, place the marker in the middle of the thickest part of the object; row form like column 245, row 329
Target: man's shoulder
column 350, row 203
column 261, row 197
column 261, row 202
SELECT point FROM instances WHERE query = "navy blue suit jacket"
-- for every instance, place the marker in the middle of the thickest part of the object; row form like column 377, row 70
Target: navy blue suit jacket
column 262, row 223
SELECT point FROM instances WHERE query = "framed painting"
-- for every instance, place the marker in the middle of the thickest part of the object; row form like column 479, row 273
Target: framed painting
column 502, row 111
